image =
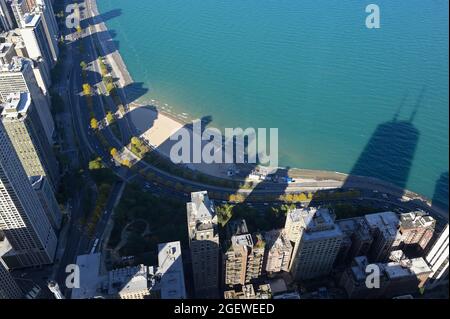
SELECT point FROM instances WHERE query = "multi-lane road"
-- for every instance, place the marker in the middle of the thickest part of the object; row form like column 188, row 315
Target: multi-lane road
column 77, row 242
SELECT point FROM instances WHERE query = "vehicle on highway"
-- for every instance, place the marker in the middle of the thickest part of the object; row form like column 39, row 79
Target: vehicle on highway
column 94, row 246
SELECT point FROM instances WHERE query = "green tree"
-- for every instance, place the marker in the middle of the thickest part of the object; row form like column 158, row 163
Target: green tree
column 94, row 124
column 87, row 90
column 109, row 117
column 135, row 141
column 224, row 214
column 114, row 152
column 96, row 164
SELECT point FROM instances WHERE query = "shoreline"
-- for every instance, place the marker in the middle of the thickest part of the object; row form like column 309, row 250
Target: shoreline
column 169, row 122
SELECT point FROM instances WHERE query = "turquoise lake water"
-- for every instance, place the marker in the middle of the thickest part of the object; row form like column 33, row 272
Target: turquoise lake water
column 310, row 68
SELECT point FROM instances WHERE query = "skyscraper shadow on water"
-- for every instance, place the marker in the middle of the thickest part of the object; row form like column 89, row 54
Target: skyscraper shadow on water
column 385, row 162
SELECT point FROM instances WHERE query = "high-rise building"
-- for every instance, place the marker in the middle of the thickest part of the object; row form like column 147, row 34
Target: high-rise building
column 204, row 245
column 8, row 287
column 7, row 52
column 244, row 258
column 25, row 130
column 45, row 10
column 22, row 218
column 396, row 278
column 278, row 251
column 6, row 16
column 319, row 244
column 249, row 292
column 40, row 68
column 47, row 197
column 170, row 270
column 293, row 226
column 437, row 258
column 386, row 237
column 35, row 40
column 20, row 8
column 17, row 77
column 129, row 283
column 357, row 240
column 39, row 29
column 416, row 229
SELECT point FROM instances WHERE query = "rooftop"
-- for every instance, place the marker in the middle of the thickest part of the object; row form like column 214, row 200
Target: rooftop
column 416, row 219
column 276, row 239
column 90, row 279
column 128, row 280
column 15, row 106
column 386, row 222
column 31, row 20
column 237, row 227
column 16, row 65
column 242, row 240
column 200, row 206
column 171, row 271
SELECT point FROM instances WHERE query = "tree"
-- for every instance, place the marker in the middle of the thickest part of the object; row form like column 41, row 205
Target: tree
column 103, row 67
column 96, row 164
column 109, row 87
column 94, row 124
column 83, row 65
column 87, row 90
column 109, row 117
column 78, row 28
column 114, row 152
column 135, row 141
column 126, row 162
column 224, row 213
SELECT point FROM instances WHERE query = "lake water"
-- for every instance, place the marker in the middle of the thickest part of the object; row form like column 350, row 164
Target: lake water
column 336, row 90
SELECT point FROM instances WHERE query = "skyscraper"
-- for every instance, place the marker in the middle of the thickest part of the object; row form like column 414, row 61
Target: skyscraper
column 204, row 244
column 6, row 17
column 386, row 237
column 8, row 287
column 278, row 251
column 27, row 135
column 20, row 8
column 416, row 229
column 319, row 243
column 6, row 53
column 170, row 268
column 45, row 10
column 35, row 40
column 244, row 258
column 22, row 218
column 437, row 258
column 17, row 76
column 47, row 198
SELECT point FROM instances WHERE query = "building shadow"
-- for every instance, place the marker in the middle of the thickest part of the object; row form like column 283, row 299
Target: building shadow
column 385, row 162
column 102, row 17
column 440, row 197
